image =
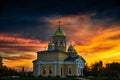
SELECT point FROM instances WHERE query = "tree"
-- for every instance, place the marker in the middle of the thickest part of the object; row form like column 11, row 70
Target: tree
column 97, row 69
column 86, row 71
column 1, row 64
column 113, row 69
column 5, row 71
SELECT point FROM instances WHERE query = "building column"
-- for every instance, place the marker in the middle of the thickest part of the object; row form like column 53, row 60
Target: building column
column 58, row 43
column 38, row 69
column 78, row 69
column 81, row 71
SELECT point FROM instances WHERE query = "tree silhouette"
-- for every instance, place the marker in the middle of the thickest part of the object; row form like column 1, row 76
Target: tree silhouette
column 5, row 71
column 113, row 69
column 86, row 71
column 97, row 69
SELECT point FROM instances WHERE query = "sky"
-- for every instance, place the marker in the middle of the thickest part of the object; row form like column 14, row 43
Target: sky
column 92, row 27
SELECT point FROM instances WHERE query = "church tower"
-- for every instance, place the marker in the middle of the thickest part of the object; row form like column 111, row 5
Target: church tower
column 59, row 40
column 57, row 61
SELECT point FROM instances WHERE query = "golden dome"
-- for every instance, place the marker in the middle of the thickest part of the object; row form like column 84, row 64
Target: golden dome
column 71, row 47
column 59, row 32
column 51, row 44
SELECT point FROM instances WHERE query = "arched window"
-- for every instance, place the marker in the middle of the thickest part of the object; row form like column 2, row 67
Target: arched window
column 61, row 43
column 69, row 70
column 50, row 70
column 56, row 43
column 44, row 70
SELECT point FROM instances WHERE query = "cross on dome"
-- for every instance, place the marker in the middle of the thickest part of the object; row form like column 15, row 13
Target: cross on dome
column 59, row 22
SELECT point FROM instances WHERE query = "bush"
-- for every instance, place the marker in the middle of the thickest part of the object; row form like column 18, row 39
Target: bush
column 40, row 75
column 49, row 76
column 57, row 75
column 72, row 76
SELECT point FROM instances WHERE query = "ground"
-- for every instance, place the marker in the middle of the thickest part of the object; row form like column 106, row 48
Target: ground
column 48, row 78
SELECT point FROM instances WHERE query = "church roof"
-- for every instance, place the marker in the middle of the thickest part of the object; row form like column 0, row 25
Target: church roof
column 74, row 58
column 52, row 51
column 59, row 32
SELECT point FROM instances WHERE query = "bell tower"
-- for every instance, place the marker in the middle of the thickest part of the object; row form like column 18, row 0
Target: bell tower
column 59, row 39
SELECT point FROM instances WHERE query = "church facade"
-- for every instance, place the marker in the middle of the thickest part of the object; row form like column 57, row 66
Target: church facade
column 57, row 61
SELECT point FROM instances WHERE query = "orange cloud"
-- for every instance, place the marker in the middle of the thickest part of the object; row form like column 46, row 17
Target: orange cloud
column 18, row 50
column 94, row 40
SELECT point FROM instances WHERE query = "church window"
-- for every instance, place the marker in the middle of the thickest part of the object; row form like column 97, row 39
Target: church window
column 61, row 43
column 55, row 42
column 44, row 70
column 50, row 70
column 69, row 70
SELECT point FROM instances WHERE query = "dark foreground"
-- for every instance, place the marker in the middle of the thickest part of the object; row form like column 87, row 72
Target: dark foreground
column 105, row 78
column 51, row 78
column 41, row 78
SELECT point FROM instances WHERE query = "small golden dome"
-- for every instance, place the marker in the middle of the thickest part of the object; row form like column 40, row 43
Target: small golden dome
column 70, row 47
column 51, row 44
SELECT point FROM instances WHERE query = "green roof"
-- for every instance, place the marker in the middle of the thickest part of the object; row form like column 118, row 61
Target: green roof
column 74, row 58
column 59, row 32
column 70, row 47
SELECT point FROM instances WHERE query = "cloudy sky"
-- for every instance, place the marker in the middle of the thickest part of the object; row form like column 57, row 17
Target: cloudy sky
column 93, row 27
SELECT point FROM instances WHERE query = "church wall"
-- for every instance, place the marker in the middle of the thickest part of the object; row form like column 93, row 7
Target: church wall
column 62, row 56
column 73, row 69
column 47, row 69
column 61, row 48
column 58, row 70
column 61, row 70
column 52, row 56
column 35, row 70
column 48, row 56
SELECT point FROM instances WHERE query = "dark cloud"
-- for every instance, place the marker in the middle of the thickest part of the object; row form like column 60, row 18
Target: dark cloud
column 26, row 17
column 29, row 28
column 20, row 48
column 46, row 7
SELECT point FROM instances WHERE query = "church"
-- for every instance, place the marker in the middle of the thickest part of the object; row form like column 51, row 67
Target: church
column 57, row 60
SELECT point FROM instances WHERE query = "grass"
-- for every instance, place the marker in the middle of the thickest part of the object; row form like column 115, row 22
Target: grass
column 55, row 78
column 105, row 78
column 41, row 78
